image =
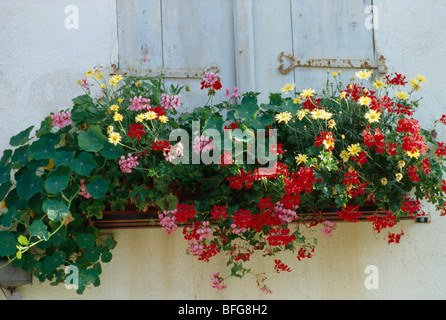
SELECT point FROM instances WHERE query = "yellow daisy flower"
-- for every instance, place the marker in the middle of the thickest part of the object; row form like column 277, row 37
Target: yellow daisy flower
column 345, row 155
column 364, row 101
column 402, row 95
column 331, row 124
column 113, row 81
column 114, row 138
column 363, row 74
column 307, row 93
column 114, row 107
column 301, row 158
column 150, row 115
column 372, row 116
column 301, row 114
column 379, row 84
column 415, row 84
column 421, row 78
column 284, row 117
column 89, row 73
column 354, row 149
column 413, row 154
column 288, row 87
column 118, row 116
column 163, row 119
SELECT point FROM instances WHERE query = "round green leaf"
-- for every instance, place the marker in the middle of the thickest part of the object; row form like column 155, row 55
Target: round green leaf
column 55, row 184
column 52, row 262
column 7, row 244
column 97, row 188
column 5, row 158
column 55, row 210
column 42, row 149
column 21, row 155
column 38, row 229
column 92, row 140
column 83, row 164
column 111, row 152
column 106, row 256
column 28, row 185
column 63, row 158
column 92, row 254
column 85, row 240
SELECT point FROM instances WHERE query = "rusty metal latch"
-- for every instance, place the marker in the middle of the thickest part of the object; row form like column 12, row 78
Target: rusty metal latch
column 378, row 64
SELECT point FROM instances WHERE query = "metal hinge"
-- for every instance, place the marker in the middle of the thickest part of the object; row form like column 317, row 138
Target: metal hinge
column 378, row 64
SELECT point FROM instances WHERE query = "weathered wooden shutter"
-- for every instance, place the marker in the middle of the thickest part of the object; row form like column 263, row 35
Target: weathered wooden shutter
column 258, row 45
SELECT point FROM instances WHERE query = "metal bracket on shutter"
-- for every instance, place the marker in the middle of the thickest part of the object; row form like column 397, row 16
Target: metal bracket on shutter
column 183, row 74
column 378, row 64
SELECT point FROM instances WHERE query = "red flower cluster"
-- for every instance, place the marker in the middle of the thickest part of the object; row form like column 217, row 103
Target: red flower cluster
column 412, row 173
column 412, row 207
column 374, row 140
column 349, row 213
column 354, row 185
column 441, row 150
column 281, row 236
column 395, row 237
column 136, row 131
column 397, row 79
column 211, row 81
column 219, row 212
column 280, row 266
column 379, row 223
column 160, row 145
column 326, row 139
column 184, row 213
column 245, row 179
column 304, row 253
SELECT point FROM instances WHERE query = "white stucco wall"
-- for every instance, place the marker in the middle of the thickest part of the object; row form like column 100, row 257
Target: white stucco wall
column 40, row 62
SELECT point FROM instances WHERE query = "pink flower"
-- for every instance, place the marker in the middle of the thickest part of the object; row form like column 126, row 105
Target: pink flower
column 84, row 193
column 226, row 158
column 139, row 103
column 126, row 165
column 228, row 93
column 61, row 120
column 328, row 227
column 168, row 221
column 203, row 144
column 217, row 281
column 236, row 94
column 170, row 102
column 146, row 58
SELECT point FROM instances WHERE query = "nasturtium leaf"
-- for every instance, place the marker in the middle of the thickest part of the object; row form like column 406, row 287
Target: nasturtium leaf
column 97, row 188
column 59, row 237
column 85, row 240
column 28, row 185
column 214, row 122
column 55, row 210
column 4, row 189
column 42, row 149
column 63, row 158
column 92, row 140
column 246, row 111
column 106, row 256
column 92, row 254
column 111, row 152
column 38, row 229
column 22, row 240
column 7, row 244
column 5, row 173
column 260, row 122
column 83, row 164
column 289, row 105
column 52, row 262
column 55, row 184
column 21, row 155
column 21, row 138
column 5, row 158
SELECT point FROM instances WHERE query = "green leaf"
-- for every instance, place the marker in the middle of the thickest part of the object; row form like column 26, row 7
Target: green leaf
column 97, row 188
column 63, row 158
column 56, row 183
column 5, row 158
column 39, row 229
column 85, row 240
column 42, row 149
column 246, row 112
column 52, row 262
column 83, row 164
column 21, row 155
column 106, row 256
column 111, row 152
column 21, row 138
column 92, row 140
column 4, row 189
column 7, row 244
column 214, row 122
column 55, row 210
column 5, row 173
column 23, row 240
column 92, row 254
column 28, row 185
column 290, row 106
